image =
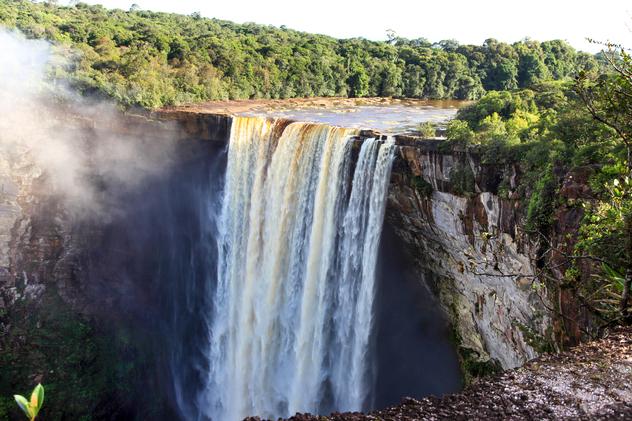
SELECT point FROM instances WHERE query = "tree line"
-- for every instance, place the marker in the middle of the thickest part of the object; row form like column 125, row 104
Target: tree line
column 152, row 59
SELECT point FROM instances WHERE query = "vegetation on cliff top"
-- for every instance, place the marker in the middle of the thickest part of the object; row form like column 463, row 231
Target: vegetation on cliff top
column 152, row 59
column 552, row 133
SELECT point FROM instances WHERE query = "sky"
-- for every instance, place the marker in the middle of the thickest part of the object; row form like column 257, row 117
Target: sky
column 467, row 21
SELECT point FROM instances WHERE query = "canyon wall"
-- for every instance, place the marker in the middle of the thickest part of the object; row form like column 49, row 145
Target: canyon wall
column 469, row 247
column 39, row 239
column 72, row 312
column 463, row 237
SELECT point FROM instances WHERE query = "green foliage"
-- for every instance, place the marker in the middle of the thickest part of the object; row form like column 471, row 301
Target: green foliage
column 475, row 368
column 606, row 231
column 358, row 81
column 92, row 371
column 422, row 186
column 502, row 103
column 154, row 59
column 538, row 342
column 427, row 130
column 616, row 279
column 537, row 128
column 462, row 180
column 541, row 204
column 603, row 230
column 531, row 66
column 459, row 131
column 31, row 407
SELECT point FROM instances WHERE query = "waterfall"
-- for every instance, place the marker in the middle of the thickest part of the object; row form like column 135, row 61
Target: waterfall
column 299, row 230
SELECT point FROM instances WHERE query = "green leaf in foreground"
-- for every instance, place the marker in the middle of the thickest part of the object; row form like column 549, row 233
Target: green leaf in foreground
column 32, row 408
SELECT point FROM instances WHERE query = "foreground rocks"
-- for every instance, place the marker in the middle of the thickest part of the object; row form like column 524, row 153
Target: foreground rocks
column 592, row 381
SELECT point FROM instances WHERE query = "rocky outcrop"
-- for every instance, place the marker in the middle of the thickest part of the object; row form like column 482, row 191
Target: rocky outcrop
column 199, row 126
column 468, row 245
column 20, row 180
column 589, row 382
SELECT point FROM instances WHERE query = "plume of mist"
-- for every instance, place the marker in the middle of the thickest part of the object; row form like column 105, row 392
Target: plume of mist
column 49, row 130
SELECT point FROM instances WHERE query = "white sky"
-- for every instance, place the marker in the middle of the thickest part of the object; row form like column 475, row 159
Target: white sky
column 467, row 21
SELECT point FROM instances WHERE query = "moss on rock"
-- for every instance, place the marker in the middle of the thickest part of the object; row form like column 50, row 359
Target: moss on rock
column 85, row 368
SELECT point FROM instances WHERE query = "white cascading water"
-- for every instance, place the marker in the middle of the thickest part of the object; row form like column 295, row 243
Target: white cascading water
column 291, row 325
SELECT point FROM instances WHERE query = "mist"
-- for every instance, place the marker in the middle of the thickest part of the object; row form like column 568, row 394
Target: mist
column 66, row 137
column 129, row 215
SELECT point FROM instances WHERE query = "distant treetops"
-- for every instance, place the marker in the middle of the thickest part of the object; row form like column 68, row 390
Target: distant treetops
column 154, row 59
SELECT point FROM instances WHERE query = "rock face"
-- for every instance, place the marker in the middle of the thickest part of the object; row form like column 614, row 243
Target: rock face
column 23, row 253
column 464, row 239
column 65, row 299
column 38, row 242
column 468, row 246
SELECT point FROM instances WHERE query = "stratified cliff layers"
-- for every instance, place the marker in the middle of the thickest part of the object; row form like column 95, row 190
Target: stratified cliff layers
column 468, row 244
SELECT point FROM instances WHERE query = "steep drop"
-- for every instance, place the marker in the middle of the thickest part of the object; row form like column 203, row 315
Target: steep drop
column 299, row 231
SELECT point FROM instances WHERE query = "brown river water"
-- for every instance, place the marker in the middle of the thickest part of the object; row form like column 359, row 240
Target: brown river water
column 392, row 116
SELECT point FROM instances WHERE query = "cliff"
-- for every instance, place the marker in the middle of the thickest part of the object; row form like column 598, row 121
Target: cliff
column 470, row 248
column 69, row 315
column 462, row 232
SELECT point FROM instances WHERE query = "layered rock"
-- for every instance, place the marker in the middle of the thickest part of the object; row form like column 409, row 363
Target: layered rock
column 468, row 246
column 20, row 180
column 60, row 304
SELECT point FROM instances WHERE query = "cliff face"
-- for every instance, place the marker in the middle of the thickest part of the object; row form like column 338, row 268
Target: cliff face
column 39, row 243
column 39, row 284
column 67, row 306
column 19, row 182
column 468, row 245
column 465, row 241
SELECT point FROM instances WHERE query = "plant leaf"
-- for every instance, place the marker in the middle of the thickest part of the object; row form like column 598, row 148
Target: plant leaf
column 37, row 398
column 24, row 405
column 615, row 278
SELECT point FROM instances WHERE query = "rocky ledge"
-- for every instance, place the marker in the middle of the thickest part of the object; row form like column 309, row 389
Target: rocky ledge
column 591, row 381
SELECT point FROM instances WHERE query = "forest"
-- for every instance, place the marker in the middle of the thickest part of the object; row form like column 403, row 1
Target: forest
column 151, row 59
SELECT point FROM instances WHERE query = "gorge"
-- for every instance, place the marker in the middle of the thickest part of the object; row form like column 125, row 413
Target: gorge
column 312, row 256
column 252, row 298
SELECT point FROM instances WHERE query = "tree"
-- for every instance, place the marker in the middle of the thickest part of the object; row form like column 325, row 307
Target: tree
column 608, row 98
column 257, row 61
column 560, row 58
column 358, row 81
column 391, row 80
column 531, row 67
